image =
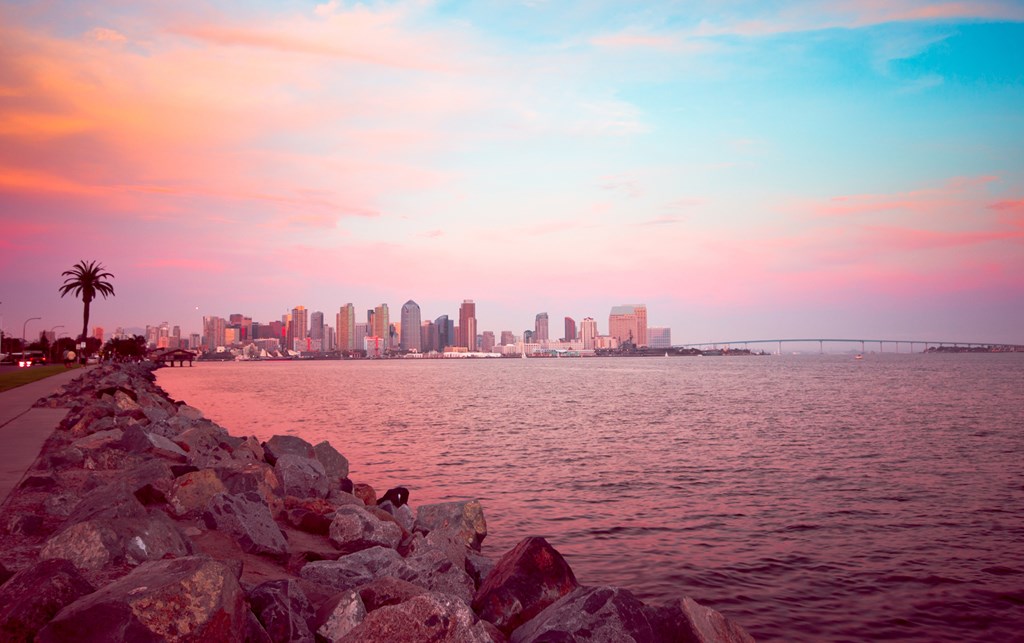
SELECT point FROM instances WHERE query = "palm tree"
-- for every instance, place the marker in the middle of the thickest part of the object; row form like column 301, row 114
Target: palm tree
column 86, row 280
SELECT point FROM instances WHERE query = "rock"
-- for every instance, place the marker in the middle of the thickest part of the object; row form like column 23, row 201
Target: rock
column 66, row 457
column 258, row 477
column 99, row 440
column 33, row 596
column 353, row 570
column 435, row 569
column 44, row 482
column 339, row 615
column 427, row 617
column 249, row 450
column 334, row 463
column 301, row 477
column 280, row 445
column 401, row 513
column 283, row 609
column 190, row 413
column 150, row 482
column 191, row 493
column 354, row 528
column 186, row 599
column 309, row 521
column 94, row 544
column 138, row 440
column 365, row 493
column 387, row 590
column 527, row 579
column 114, row 500
column 246, row 519
column 466, row 518
column 24, row 525
column 687, row 620
column 593, row 614
column 478, row 566
column 206, row 444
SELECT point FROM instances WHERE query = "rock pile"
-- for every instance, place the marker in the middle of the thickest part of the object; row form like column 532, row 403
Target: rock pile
column 144, row 521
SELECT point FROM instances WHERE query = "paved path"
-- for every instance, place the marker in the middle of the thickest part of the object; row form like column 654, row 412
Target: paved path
column 23, row 429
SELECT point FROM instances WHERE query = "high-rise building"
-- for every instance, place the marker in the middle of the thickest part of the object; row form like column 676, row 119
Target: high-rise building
column 629, row 324
column 659, row 337
column 316, row 331
column 487, row 341
column 443, row 335
column 507, row 338
column 382, row 325
column 427, row 337
column 588, row 333
column 409, row 335
column 467, row 324
column 298, row 329
column 570, row 329
column 540, row 328
column 213, row 332
column 346, row 324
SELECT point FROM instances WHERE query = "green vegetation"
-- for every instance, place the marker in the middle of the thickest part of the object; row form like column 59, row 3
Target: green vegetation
column 86, row 279
column 21, row 376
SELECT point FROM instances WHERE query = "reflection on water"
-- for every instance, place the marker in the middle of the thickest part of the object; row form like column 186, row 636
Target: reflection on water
column 811, row 497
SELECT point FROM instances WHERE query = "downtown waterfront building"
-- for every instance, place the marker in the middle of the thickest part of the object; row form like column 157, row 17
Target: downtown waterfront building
column 628, row 323
column 346, row 325
column 409, row 335
column 540, row 328
column 467, row 325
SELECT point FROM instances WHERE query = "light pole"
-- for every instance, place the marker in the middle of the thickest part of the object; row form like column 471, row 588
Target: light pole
column 52, row 353
column 24, row 341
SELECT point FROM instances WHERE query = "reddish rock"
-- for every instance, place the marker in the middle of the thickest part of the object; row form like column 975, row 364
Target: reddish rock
column 428, row 617
column 387, row 591
column 186, row 599
column 243, row 477
column 192, row 492
column 365, row 493
column 33, row 596
column 94, row 544
column 528, row 578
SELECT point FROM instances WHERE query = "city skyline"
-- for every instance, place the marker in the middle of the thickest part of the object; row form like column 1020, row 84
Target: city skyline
column 750, row 169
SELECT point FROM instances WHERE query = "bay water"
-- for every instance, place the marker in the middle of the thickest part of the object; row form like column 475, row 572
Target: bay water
column 810, row 497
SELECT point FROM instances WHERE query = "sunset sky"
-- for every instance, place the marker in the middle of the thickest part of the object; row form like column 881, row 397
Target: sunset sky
column 746, row 169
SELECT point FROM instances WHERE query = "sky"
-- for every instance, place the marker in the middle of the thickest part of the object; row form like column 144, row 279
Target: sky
column 745, row 169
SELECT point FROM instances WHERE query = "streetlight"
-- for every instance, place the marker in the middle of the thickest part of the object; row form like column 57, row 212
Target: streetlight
column 24, row 341
column 52, row 353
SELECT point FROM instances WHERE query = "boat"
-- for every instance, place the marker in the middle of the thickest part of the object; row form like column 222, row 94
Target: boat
column 859, row 356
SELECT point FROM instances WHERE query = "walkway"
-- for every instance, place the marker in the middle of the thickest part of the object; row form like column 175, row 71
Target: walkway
column 23, row 429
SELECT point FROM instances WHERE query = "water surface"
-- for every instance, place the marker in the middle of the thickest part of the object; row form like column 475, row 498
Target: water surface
column 808, row 497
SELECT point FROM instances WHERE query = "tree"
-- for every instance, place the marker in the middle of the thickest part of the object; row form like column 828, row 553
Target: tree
column 86, row 280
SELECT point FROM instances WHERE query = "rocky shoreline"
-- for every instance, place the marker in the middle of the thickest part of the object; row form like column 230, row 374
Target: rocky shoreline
column 142, row 520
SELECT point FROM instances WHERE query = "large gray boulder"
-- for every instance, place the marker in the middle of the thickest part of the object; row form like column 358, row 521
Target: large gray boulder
column 687, row 620
column 280, row 445
column 466, row 518
column 354, row 528
column 283, row 609
column 259, row 477
column 186, row 599
column 140, row 441
column 339, row 615
column 353, row 570
column 334, row 463
column 526, row 580
column 248, row 521
column 301, row 477
column 606, row 614
column 33, row 596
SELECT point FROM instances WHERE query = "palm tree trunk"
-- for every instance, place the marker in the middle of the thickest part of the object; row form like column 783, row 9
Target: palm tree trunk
column 85, row 320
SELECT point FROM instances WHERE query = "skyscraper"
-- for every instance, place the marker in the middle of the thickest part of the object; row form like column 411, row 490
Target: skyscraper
column 410, row 339
column 382, row 325
column 570, row 329
column 629, row 324
column 298, row 328
column 507, row 338
column 428, row 336
column 540, row 328
column 316, row 331
column 467, row 324
column 588, row 333
column 442, row 333
column 487, row 341
column 346, row 325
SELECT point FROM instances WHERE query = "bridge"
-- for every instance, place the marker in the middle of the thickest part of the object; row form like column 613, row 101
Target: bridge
column 894, row 343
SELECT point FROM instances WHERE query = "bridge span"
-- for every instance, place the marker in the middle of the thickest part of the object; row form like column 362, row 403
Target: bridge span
column 865, row 343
